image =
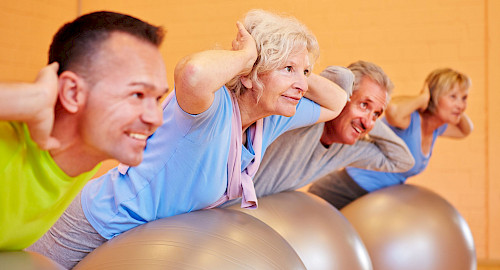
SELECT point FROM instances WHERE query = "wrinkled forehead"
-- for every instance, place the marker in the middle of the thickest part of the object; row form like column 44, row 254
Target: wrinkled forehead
column 372, row 93
column 299, row 55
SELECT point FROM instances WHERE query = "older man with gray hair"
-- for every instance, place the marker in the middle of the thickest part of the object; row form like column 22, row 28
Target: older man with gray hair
column 355, row 138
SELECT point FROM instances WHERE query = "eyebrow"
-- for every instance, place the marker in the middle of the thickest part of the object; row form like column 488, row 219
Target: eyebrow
column 369, row 100
column 293, row 63
column 148, row 86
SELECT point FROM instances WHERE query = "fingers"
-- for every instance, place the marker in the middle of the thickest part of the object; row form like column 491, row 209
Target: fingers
column 238, row 43
column 50, row 144
column 41, row 135
column 235, row 44
column 425, row 88
column 241, row 29
column 242, row 32
column 54, row 66
column 49, row 70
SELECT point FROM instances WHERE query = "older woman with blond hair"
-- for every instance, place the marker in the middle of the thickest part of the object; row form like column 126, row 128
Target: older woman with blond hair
column 439, row 110
column 227, row 107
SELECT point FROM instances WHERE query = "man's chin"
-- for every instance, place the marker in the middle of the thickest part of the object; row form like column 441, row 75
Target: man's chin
column 349, row 141
column 132, row 161
column 356, row 138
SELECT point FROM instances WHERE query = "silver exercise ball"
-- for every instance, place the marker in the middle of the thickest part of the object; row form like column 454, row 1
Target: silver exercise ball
column 318, row 232
column 206, row 239
column 26, row 260
column 410, row 227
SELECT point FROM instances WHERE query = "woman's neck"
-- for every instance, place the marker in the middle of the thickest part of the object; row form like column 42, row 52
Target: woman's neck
column 250, row 110
column 430, row 122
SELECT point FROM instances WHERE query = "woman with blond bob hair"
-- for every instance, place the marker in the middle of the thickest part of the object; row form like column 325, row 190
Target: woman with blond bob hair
column 227, row 107
column 439, row 110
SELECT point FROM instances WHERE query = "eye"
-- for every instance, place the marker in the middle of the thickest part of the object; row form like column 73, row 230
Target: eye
column 288, row 68
column 158, row 100
column 307, row 72
column 138, row 95
column 363, row 105
column 376, row 115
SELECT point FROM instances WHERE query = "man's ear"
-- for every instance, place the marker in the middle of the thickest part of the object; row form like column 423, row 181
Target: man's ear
column 72, row 91
column 246, row 82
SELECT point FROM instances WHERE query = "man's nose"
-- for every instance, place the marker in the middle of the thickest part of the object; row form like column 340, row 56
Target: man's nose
column 153, row 114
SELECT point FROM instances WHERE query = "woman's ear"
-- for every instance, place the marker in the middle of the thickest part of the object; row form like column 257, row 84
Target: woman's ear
column 72, row 91
column 246, row 82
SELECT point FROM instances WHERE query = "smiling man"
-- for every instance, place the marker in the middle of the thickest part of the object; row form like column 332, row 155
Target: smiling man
column 100, row 102
column 354, row 138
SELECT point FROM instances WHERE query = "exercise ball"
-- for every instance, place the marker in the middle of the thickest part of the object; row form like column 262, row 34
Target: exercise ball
column 410, row 227
column 206, row 239
column 318, row 232
column 26, row 260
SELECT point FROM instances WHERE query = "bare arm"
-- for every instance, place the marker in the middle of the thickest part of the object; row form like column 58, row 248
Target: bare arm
column 460, row 130
column 198, row 76
column 33, row 103
column 331, row 97
column 399, row 110
column 383, row 150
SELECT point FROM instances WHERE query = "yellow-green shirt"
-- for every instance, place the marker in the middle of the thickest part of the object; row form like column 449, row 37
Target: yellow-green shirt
column 34, row 191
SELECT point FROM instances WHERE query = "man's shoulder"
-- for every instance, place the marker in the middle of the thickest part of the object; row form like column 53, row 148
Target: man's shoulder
column 12, row 134
column 304, row 133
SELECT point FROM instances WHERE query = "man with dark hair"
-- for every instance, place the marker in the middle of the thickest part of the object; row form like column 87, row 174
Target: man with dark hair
column 354, row 138
column 101, row 102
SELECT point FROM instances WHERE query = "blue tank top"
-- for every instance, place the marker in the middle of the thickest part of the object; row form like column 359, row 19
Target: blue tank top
column 374, row 180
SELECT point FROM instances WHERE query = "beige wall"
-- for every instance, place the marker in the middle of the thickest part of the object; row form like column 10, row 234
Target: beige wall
column 493, row 129
column 26, row 28
column 407, row 38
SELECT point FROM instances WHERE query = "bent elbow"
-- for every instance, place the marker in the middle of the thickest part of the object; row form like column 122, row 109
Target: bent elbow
column 404, row 164
column 187, row 73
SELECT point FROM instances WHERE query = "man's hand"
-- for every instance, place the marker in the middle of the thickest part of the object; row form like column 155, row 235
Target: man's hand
column 41, row 125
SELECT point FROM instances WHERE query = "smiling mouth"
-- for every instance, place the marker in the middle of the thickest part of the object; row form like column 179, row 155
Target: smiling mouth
column 359, row 128
column 138, row 136
column 293, row 99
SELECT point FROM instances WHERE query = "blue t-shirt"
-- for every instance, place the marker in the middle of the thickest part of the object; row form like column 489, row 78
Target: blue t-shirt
column 374, row 180
column 184, row 167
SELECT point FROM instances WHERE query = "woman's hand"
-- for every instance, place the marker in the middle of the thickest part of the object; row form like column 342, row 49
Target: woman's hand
column 198, row 76
column 245, row 42
column 399, row 110
column 425, row 97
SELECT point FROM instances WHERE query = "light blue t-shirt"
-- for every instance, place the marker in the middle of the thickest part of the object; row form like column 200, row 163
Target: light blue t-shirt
column 374, row 180
column 184, row 167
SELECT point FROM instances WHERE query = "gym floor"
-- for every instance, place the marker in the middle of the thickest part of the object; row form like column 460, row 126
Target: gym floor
column 487, row 265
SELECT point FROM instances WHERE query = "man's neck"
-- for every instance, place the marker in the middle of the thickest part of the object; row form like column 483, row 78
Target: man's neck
column 327, row 138
column 74, row 161
column 74, row 156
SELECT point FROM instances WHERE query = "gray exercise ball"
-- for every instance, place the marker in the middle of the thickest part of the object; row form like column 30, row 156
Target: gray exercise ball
column 318, row 232
column 410, row 227
column 26, row 260
column 206, row 239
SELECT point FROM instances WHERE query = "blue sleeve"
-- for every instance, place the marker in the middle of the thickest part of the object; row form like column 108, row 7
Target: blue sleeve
column 188, row 122
column 307, row 113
